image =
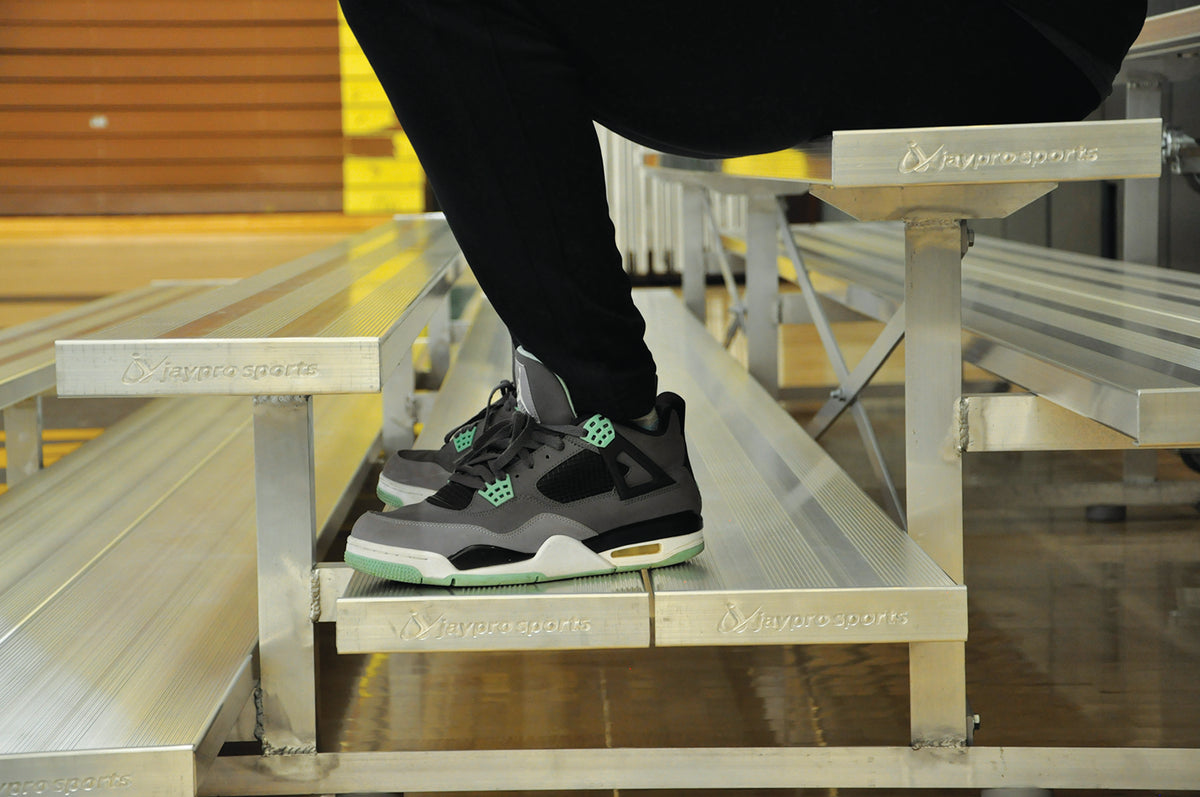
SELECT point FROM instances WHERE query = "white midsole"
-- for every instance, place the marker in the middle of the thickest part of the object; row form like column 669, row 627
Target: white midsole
column 404, row 494
column 558, row 556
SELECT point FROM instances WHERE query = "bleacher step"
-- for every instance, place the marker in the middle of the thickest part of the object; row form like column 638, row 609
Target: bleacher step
column 128, row 617
column 796, row 553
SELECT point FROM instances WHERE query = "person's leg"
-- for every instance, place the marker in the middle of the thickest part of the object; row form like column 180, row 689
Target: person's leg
column 497, row 117
column 498, row 97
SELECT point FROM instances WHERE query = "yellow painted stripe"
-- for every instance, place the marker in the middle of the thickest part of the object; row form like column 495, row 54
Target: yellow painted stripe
column 369, row 172
column 358, row 201
column 738, row 246
column 374, row 185
column 790, row 164
column 56, row 444
column 363, row 90
column 787, row 269
column 80, row 434
column 51, row 453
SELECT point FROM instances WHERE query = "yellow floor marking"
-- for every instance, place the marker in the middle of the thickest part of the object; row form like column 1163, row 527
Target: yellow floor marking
column 55, row 435
column 56, row 444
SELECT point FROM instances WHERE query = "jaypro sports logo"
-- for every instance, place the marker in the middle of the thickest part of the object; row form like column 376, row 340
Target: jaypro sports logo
column 738, row 621
column 921, row 159
column 421, row 627
column 142, row 371
column 64, row 787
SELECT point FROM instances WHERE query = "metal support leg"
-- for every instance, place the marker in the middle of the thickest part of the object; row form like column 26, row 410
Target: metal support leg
column 438, row 341
column 1141, row 232
column 737, row 308
column 762, row 292
column 23, row 439
column 286, row 507
column 689, row 236
column 399, row 407
column 1140, row 228
column 1141, row 466
column 1140, row 236
column 933, row 383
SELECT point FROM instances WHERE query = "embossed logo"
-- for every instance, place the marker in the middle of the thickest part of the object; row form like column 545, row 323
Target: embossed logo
column 916, row 161
column 141, row 371
column 64, row 786
column 420, row 627
column 737, row 621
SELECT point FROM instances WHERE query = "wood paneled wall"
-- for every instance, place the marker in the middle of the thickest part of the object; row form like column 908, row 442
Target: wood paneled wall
column 169, row 106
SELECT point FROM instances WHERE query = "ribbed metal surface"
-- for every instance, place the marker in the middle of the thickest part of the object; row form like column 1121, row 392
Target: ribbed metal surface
column 1112, row 341
column 99, row 661
column 795, row 552
column 320, row 324
column 106, row 489
column 127, row 596
column 27, row 350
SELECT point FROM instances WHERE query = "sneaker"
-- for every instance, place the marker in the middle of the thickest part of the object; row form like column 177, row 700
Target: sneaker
column 551, row 501
column 410, row 476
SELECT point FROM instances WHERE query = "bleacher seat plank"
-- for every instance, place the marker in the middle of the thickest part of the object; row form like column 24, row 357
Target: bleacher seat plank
column 937, row 156
column 128, row 591
column 336, row 321
column 795, row 552
column 1175, row 34
column 27, row 350
column 1112, row 341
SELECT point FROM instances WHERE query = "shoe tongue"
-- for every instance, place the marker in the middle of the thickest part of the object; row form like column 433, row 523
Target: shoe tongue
column 540, row 393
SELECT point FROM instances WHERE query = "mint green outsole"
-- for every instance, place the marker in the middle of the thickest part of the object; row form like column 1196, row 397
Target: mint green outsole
column 388, row 500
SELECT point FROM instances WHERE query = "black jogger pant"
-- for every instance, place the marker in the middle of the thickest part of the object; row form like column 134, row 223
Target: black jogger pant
column 499, row 97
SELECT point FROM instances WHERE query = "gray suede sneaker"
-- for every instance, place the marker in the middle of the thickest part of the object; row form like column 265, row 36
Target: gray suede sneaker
column 553, row 500
column 410, row 476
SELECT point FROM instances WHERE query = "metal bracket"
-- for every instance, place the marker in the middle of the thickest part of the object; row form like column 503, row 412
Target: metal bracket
column 1026, row 422
column 329, row 581
column 1180, row 152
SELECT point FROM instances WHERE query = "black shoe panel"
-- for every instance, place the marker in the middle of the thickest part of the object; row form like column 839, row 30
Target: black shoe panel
column 675, row 525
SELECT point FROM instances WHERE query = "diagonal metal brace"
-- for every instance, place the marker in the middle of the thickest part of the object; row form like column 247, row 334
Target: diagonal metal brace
column 838, row 362
column 848, row 392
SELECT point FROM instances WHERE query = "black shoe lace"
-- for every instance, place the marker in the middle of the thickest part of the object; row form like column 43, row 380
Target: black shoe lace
column 506, row 400
column 500, row 456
